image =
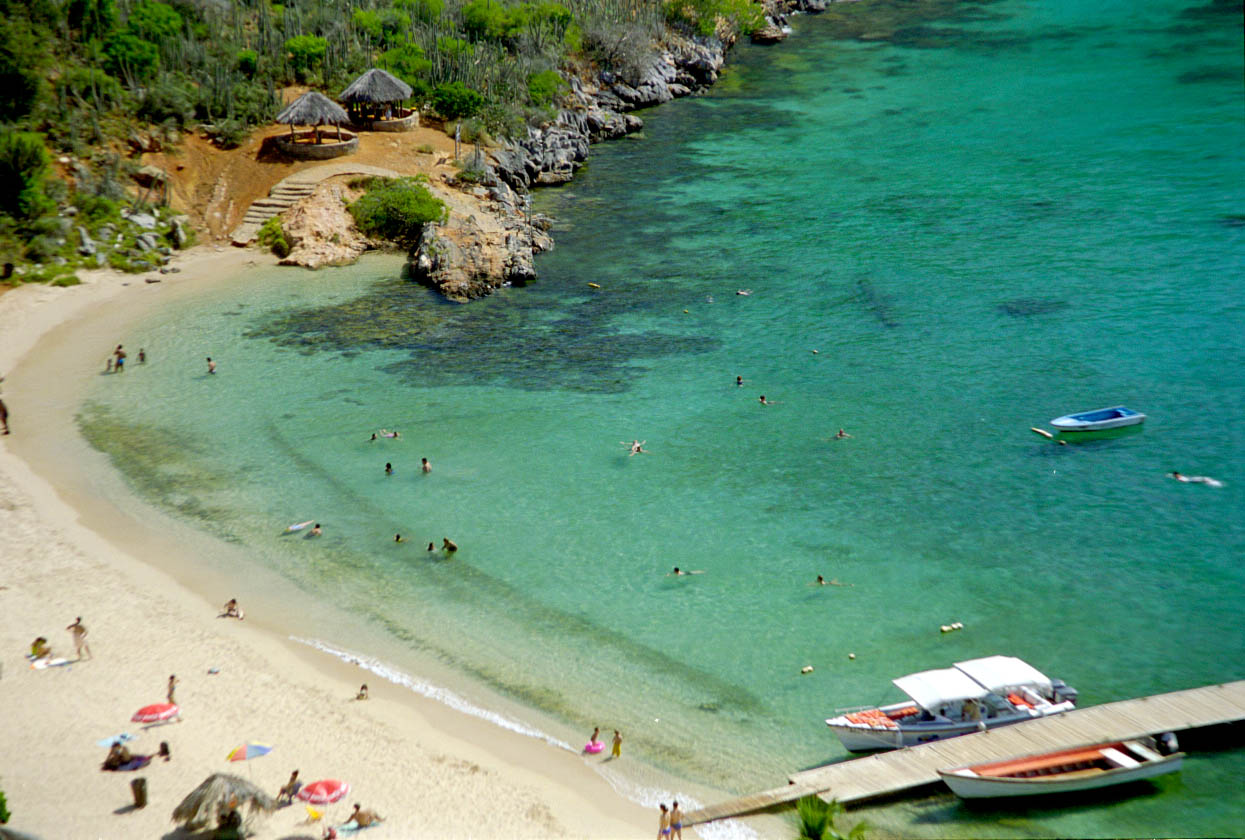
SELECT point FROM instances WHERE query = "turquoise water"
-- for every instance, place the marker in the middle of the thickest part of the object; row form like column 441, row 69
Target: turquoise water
column 979, row 223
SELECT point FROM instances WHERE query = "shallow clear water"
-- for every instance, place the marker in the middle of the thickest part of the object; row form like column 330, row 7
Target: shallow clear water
column 979, row 222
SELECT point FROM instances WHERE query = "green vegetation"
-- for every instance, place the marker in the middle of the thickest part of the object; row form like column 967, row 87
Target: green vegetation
column 816, row 820
column 396, row 209
column 87, row 85
column 272, row 237
column 4, row 811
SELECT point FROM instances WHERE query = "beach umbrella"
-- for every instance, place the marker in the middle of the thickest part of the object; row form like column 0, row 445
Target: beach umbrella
column 247, row 751
column 218, row 793
column 324, row 792
column 156, row 712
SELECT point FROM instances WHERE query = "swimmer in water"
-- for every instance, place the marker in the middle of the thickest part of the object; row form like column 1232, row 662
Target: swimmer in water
column 398, row 538
column 636, row 447
column 765, row 401
column 388, row 468
column 373, row 435
column 681, row 572
column 432, row 547
column 424, row 465
column 744, row 292
column 842, row 434
column 1195, row 479
column 315, row 532
column 739, row 381
column 449, row 545
column 821, row 581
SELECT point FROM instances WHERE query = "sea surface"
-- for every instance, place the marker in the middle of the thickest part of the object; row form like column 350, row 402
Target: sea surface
column 952, row 229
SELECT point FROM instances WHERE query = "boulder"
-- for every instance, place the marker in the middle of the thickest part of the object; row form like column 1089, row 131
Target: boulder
column 143, row 220
column 149, row 176
column 146, row 241
column 86, row 245
column 180, row 237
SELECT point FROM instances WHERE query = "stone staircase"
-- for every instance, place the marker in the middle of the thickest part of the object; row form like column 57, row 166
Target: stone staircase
column 281, row 197
column 288, row 191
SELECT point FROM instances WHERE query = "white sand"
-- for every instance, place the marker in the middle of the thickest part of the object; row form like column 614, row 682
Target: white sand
column 430, row 771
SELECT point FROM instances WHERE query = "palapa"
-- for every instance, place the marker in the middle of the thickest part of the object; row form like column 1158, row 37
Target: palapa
column 377, row 87
column 315, row 109
column 218, row 793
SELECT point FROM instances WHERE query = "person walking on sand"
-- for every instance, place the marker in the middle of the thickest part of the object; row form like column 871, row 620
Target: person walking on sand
column 211, row 365
column 362, row 695
column 173, row 681
column 79, row 637
column 676, row 820
column 616, row 751
column 663, row 826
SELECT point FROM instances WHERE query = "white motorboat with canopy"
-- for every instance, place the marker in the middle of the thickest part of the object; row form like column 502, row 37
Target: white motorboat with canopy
column 946, row 702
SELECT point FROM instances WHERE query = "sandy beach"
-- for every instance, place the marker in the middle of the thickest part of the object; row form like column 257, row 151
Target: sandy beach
column 427, row 769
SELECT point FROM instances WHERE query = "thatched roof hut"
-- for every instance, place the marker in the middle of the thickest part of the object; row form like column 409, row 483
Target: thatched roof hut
column 376, row 86
column 315, row 109
column 218, row 794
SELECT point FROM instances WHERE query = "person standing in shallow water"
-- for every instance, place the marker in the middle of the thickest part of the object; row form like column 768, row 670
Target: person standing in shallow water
column 663, row 826
column 388, row 468
column 211, row 365
column 617, row 749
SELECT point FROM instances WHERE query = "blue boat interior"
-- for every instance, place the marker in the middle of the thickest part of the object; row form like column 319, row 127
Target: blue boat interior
column 1104, row 414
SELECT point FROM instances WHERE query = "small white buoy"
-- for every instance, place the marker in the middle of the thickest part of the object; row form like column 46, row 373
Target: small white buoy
column 944, row 628
column 959, row 625
column 814, row 352
column 807, row 669
column 851, row 656
column 684, row 311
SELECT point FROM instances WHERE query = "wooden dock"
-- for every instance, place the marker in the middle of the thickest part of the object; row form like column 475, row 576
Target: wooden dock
column 888, row 773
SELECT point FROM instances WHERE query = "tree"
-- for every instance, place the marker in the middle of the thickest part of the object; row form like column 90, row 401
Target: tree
column 92, row 18
column 21, row 59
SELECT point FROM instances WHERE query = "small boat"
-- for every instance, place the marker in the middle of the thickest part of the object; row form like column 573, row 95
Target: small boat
column 1064, row 771
column 1103, row 418
column 298, row 526
column 974, row 695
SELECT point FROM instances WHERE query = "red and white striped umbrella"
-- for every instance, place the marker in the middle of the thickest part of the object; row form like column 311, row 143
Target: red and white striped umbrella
column 324, row 792
column 156, row 712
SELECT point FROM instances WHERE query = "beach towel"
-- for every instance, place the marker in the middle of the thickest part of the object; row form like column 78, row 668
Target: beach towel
column 135, row 763
column 115, row 739
column 351, row 827
column 40, row 664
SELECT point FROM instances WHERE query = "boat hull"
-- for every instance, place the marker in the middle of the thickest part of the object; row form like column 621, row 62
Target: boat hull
column 1095, row 421
column 986, row 787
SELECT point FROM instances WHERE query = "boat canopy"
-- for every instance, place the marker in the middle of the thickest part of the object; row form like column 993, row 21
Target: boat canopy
column 931, row 689
column 1001, row 673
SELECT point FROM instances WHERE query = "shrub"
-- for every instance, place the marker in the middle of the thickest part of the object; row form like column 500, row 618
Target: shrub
column 21, row 58
column 702, row 16
column 92, row 18
column 4, row 811
column 455, row 100
column 88, row 85
column 425, row 11
column 169, row 98
column 23, row 165
column 542, row 87
column 816, row 820
column 397, row 210
column 229, row 133
column 272, row 236
column 248, row 61
column 131, row 56
column 305, row 53
column 154, row 21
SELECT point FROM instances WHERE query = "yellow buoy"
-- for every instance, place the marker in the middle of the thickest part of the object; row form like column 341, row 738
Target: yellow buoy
column 594, row 286
column 1042, row 432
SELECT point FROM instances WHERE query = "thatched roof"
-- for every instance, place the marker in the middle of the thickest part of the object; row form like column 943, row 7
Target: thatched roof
column 313, row 108
column 376, row 86
column 206, row 802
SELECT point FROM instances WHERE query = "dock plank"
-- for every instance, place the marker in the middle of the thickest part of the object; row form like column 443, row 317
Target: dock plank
column 860, row 779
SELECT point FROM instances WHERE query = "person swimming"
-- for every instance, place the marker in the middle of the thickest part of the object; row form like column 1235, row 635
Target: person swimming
column 739, row 381
column 398, row 538
column 1195, row 479
column 841, row 434
column 681, row 572
column 636, row 447
column 388, row 468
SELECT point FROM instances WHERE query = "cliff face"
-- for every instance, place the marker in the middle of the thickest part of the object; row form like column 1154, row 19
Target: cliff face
column 467, row 257
column 321, row 232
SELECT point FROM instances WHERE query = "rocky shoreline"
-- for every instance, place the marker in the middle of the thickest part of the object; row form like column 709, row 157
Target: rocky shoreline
column 465, row 259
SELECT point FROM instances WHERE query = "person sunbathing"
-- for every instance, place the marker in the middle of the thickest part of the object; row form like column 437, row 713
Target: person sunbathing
column 118, row 756
column 363, row 817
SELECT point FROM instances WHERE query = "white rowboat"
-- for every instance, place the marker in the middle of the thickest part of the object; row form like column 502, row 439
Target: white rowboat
column 1062, row 771
column 1102, row 418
